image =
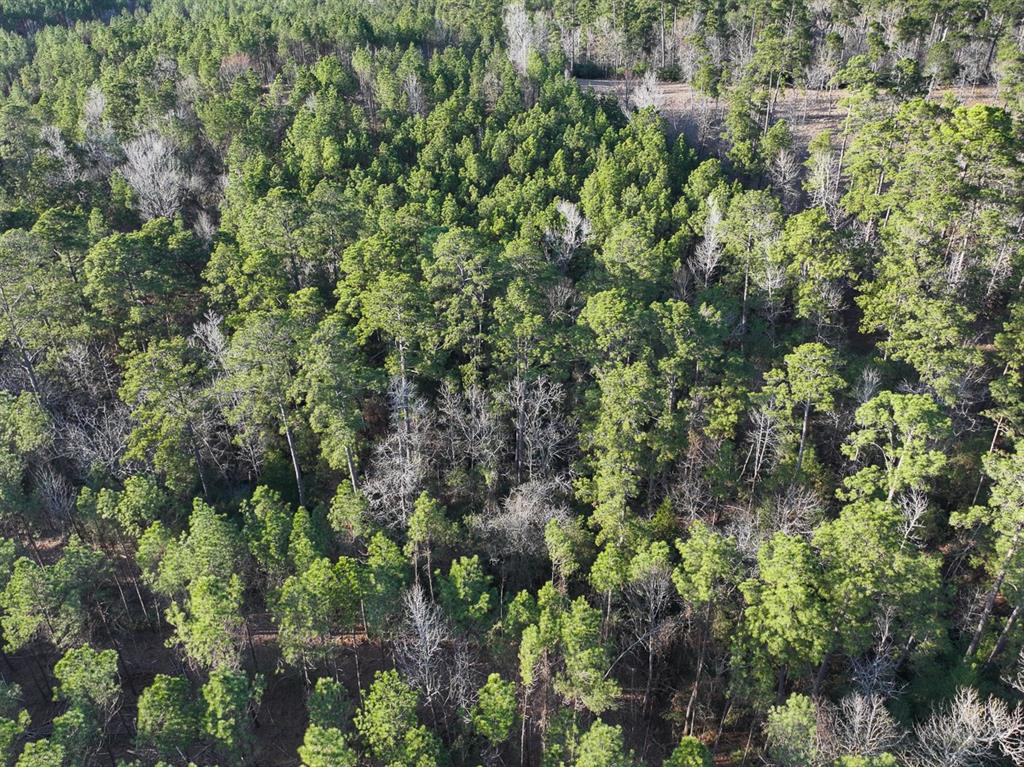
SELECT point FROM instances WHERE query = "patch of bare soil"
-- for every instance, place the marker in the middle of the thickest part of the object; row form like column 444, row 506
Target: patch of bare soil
column 808, row 112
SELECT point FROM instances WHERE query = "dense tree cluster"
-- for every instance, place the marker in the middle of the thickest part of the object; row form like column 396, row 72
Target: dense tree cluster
column 373, row 393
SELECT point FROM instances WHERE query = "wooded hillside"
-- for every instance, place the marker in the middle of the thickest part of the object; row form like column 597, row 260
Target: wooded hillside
column 379, row 389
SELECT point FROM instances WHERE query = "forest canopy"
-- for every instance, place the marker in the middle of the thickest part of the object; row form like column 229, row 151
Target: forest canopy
column 552, row 384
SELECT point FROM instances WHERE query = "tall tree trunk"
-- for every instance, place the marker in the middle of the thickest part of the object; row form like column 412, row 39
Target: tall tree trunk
column 195, row 457
column 990, row 599
column 430, row 573
column 295, row 458
column 351, row 467
column 803, row 438
column 1004, row 637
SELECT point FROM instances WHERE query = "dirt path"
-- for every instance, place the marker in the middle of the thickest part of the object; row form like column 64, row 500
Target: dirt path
column 808, row 112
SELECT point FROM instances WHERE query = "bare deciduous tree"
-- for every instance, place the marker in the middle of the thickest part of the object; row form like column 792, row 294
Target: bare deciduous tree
column 784, row 171
column 434, row 660
column 708, row 252
column 514, row 531
column 913, row 506
column 648, row 594
column 795, row 511
column 471, row 429
column 764, row 441
column 867, row 385
column 414, row 92
column 524, row 35
column 96, row 437
column 156, row 175
column 208, row 335
column 68, row 171
column 646, row 93
column 565, row 240
column 968, row 731
column 543, row 434
column 823, row 179
column 100, row 147
column 402, row 459
column 859, row 725
column 56, row 495
column 418, row 648
column 1017, row 680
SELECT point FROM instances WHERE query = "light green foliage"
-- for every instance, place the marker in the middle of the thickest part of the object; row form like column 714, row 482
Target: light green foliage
column 466, row 592
column 212, row 545
column 786, row 613
column 1000, row 523
column 1007, row 389
column 884, row 760
column 24, row 429
column 584, row 681
column 276, row 253
column 888, row 576
column 387, row 575
column 476, row 294
column 816, row 262
column 315, row 605
column 14, row 720
column 428, row 525
column 328, row 704
column 229, row 697
column 40, row 753
column 903, row 432
column 306, row 542
column 200, row 571
column 394, row 307
column 88, row 681
column 162, row 386
column 565, row 540
column 388, row 725
column 495, row 711
column 631, row 257
column 332, row 381
column 346, row 515
column 631, row 180
column 139, row 279
column 267, row 529
column 751, row 226
column 88, row 678
column 156, row 544
column 602, row 746
column 52, row 601
column 618, row 323
column 808, row 384
column 260, row 374
column 689, row 753
column 708, row 563
column 77, row 733
column 133, row 509
column 8, row 556
column 459, row 276
column 209, row 624
column 169, row 720
column 791, row 732
column 627, row 404
column 326, row 747
column 929, row 333
column 38, row 293
column 609, row 571
column 561, row 741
